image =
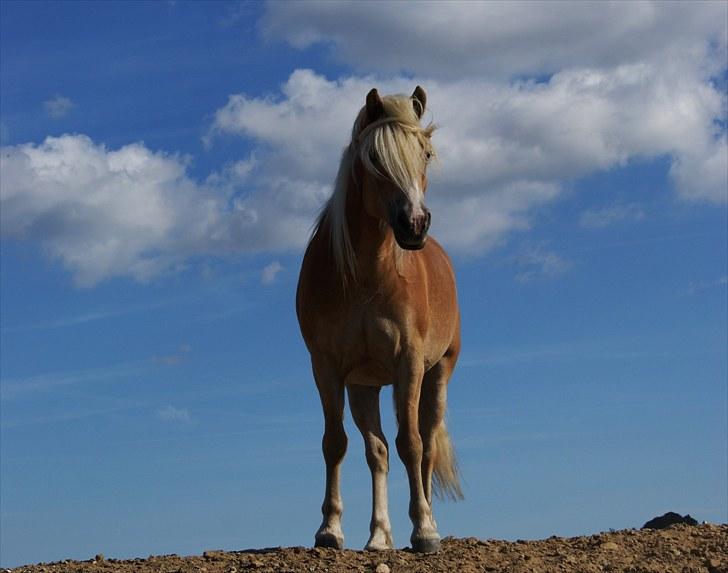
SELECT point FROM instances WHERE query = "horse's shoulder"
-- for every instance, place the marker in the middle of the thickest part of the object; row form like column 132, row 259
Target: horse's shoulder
column 437, row 261
column 435, row 249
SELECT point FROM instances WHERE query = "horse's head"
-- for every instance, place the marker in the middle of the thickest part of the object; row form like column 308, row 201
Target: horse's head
column 392, row 152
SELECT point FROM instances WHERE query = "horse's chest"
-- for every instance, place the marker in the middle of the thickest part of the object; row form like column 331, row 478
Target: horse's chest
column 369, row 332
column 367, row 343
column 381, row 335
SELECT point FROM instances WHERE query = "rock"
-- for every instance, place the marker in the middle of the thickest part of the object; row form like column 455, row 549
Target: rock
column 668, row 519
column 609, row 546
column 382, row 568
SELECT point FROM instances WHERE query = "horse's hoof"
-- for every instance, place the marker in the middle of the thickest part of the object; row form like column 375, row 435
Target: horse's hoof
column 380, row 540
column 328, row 539
column 378, row 546
column 430, row 544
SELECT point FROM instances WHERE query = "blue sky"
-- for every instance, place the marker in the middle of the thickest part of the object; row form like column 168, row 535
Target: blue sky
column 162, row 164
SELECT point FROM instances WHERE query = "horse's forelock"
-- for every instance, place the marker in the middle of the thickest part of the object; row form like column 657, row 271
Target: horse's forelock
column 396, row 140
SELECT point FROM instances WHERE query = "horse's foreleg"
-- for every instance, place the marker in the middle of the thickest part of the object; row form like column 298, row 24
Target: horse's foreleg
column 407, row 389
column 364, row 403
column 331, row 392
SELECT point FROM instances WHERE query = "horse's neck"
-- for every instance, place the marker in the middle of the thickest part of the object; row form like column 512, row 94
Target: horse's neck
column 372, row 242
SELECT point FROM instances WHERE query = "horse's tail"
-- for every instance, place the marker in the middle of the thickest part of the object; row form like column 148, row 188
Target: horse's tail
column 446, row 475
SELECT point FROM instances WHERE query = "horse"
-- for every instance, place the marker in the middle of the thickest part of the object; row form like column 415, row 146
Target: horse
column 377, row 305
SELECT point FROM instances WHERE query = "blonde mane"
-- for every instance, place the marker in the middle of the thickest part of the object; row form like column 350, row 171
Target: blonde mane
column 396, row 142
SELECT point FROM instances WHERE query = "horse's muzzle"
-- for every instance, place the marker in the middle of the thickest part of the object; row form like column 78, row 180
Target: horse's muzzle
column 410, row 227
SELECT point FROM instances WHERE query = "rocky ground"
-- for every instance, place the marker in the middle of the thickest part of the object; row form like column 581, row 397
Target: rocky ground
column 677, row 549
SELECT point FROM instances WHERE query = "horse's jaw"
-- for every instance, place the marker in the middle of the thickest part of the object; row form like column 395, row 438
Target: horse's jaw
column 411, row 246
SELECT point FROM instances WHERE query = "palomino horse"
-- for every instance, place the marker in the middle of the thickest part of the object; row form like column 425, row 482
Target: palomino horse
column 377, row 305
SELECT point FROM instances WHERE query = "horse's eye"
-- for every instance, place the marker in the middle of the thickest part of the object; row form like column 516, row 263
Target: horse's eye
column 428, row 155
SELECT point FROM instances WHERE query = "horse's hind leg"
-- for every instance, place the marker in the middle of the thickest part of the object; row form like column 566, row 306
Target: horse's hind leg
column 331, row 392
column 432, row 412
column 364, row 404
column 437, row 453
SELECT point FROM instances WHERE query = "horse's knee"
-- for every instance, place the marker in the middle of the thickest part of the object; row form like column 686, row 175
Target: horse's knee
column 377, row 454
column 334, row 443
column 409, row 446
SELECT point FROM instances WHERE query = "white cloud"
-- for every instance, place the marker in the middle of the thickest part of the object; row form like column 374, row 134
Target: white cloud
column 702, row 174
column 628, row 79
column 610, row 215
column 270, row 272
column 306, row 128
column 474, row 223
column 58, row 106
column 135, row 212
column 81, row 319
column 579, row 122
column 102, row 213
column 500, row 39
column 698, row 286
column 536, row 262
column 504, row 148
column 19, row 387
column 172, row 414
column 482, row 189
column 173, row 359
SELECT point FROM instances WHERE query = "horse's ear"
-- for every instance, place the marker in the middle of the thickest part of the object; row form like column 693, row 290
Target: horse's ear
column 375, row 107
column 419, row 100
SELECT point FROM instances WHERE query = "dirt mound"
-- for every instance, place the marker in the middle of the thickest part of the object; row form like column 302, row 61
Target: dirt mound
column 678, row 549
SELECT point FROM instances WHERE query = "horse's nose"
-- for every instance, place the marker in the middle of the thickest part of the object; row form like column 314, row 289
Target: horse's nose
column 410, row 223
column 420, row 221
